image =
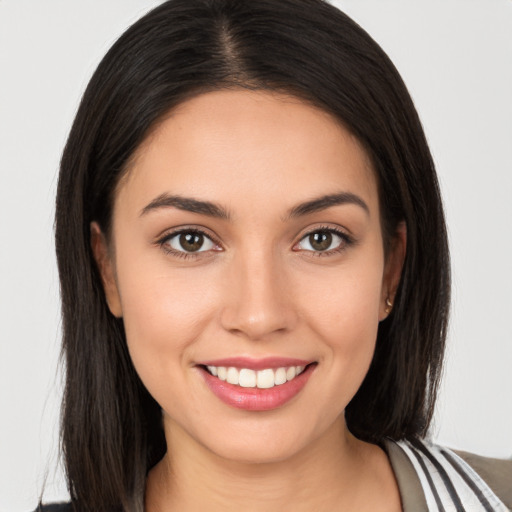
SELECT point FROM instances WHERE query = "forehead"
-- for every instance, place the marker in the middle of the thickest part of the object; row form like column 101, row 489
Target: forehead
column 264, row 146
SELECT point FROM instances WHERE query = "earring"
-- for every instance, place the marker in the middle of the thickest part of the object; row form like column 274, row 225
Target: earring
column 389, row 306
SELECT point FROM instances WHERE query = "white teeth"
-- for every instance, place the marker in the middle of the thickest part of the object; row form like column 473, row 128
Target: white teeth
column 233, row 376
column 263, row 379
column 266, row 379
column 280, row 377
column 247, row 378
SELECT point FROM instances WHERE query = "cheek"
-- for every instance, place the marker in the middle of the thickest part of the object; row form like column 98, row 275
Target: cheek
column 343, row 311
column 164, row 313
column 346, row 299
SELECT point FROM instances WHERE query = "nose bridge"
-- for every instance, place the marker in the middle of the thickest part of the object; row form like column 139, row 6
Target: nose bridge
column 258, row 301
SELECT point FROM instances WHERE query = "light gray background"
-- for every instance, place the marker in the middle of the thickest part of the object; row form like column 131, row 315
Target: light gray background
column 455, row 56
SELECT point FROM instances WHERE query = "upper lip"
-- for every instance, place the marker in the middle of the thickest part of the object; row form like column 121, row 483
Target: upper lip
column 256, row 364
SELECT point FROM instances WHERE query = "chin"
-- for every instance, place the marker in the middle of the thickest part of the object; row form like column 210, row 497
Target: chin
column 265, row 440
column 257, row 451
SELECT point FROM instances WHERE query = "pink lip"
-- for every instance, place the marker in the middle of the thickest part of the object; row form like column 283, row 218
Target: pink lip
column 256, row 364
column 255, row 399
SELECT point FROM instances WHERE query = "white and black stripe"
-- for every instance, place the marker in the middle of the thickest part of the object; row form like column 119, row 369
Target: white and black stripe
column 449, row 483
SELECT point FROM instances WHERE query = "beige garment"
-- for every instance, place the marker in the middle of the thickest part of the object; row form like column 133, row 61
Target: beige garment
column 496, row 473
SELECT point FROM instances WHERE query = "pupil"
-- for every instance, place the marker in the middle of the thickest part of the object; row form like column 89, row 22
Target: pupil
column 321, row 240
column 191, row 242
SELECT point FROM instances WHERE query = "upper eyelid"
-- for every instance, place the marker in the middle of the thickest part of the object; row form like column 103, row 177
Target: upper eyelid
column 172, row 232
column 338, row 230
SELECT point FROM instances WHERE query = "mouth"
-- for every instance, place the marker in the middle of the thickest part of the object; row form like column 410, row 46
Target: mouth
column 256, row 386
column 262, row 379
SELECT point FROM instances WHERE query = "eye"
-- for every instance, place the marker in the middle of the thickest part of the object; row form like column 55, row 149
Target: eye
column 189, row 242
column 323, row 240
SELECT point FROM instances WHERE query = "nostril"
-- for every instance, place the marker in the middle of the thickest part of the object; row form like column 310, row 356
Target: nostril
column 256, row 325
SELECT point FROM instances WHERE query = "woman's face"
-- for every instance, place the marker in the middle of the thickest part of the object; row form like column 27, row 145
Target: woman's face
column 246, row 235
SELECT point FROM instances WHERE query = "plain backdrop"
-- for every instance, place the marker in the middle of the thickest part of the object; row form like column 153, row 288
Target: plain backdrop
column 456, row 58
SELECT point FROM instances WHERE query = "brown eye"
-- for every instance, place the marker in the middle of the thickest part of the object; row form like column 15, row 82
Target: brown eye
column 322, row 240
column 190, row 241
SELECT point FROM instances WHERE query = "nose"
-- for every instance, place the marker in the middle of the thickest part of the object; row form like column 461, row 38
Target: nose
column 258, row 299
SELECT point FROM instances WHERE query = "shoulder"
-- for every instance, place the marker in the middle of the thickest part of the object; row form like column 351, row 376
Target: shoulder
column 55, row 507
column 497, row 473
column 454, row 478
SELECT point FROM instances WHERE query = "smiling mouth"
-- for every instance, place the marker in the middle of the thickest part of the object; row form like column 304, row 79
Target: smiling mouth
column 262, row 379
column 269, row 384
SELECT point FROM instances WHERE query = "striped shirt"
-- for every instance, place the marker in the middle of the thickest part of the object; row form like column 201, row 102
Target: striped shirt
column 448, row 482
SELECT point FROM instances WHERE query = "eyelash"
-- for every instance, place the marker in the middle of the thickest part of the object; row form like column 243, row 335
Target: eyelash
column 347, row 241
column 163, row 243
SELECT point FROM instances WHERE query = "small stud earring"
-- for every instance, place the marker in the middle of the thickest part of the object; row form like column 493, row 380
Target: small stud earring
column 389, row 306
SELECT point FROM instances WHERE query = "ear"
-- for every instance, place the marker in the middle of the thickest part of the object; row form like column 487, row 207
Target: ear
column 106, row 268
column 393, row 270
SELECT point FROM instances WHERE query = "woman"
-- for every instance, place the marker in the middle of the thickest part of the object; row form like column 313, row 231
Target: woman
column 253, row 230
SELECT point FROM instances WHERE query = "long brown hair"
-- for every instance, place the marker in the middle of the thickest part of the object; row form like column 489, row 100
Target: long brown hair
column 111, row 427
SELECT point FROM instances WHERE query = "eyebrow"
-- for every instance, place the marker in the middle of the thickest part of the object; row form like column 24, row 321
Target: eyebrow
column 211, row 209
column 327, row 201
column 188, row 204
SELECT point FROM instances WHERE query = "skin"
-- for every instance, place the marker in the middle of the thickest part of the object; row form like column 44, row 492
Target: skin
column 258, row 290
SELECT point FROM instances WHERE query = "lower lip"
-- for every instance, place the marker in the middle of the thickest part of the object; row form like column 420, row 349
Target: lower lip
column 256, row 399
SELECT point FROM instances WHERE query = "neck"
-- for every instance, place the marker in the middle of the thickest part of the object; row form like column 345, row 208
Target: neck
column 333, row 473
